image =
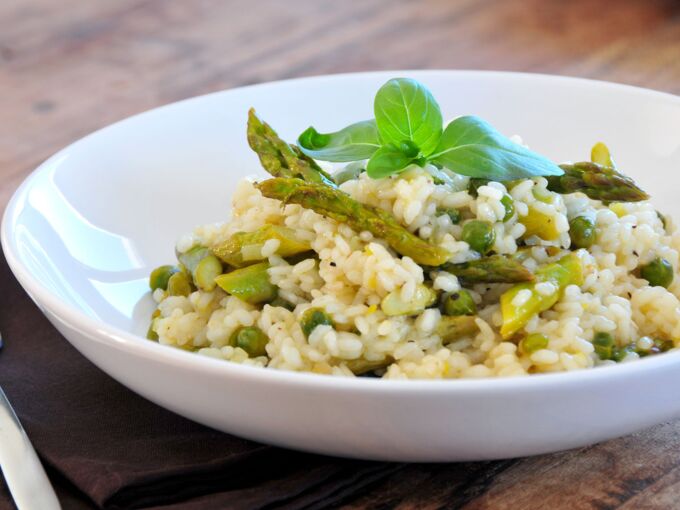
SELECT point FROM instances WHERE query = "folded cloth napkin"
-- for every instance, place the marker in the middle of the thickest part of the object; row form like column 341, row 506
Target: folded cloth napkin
column 121, row 451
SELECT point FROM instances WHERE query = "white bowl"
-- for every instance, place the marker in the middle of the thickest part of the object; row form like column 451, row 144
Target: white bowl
column 83, row 231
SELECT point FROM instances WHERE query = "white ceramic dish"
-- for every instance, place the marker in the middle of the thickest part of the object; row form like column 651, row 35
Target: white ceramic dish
column 84, row 230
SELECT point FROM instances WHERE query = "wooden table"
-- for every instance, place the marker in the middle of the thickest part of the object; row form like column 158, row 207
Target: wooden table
column 71, row 66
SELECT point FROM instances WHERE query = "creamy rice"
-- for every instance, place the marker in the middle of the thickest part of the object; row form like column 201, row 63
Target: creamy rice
column 354, row 271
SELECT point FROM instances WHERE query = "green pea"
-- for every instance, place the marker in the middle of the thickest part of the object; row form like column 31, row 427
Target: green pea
column 158, row 279
column 206, row 271
column 474, row 184
column 251, row 339
column 582, row 232
column 480, row 235
column 658, row 272
column 458, row 303
column 509, row 205
column 454, row 214
column 604, row 345
column 314, row 317
column 534, row 342
column 179, row 285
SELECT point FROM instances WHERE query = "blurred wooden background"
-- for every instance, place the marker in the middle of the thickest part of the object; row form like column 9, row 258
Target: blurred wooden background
column 68, row 67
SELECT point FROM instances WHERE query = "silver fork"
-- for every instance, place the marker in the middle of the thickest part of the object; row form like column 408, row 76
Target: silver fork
column 25, row 476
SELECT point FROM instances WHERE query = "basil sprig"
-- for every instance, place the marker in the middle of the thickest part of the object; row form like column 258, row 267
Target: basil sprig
column 408, row 130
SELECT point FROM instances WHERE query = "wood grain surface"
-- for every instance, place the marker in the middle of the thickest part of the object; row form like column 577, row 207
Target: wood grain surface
column 69, row 67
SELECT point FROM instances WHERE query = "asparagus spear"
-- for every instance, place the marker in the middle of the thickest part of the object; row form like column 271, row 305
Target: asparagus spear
column 335, row 204
column 191, row 258
column 250, row 284
column 517, row 312
column 493, row 269
column 279, row 158
column 231, row 250
column 202, row 265
column 539, row 224
column 597, row 182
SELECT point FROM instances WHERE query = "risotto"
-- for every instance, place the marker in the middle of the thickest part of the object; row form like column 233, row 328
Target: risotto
column 426, row 266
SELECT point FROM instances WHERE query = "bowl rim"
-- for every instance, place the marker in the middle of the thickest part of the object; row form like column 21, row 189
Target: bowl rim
column 136, row 345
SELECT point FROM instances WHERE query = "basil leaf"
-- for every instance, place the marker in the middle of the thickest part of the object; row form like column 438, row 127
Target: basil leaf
column 406, row 110
column 353, row 143
column 471, row 146
column 389, row 159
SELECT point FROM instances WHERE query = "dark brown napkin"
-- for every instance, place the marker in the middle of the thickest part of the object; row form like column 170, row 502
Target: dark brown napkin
column 119, row 450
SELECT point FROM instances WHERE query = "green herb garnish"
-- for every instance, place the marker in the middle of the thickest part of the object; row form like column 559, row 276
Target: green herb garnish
column 408, row 129
column 405, row 111
column 472, row 147
column 353, row 143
